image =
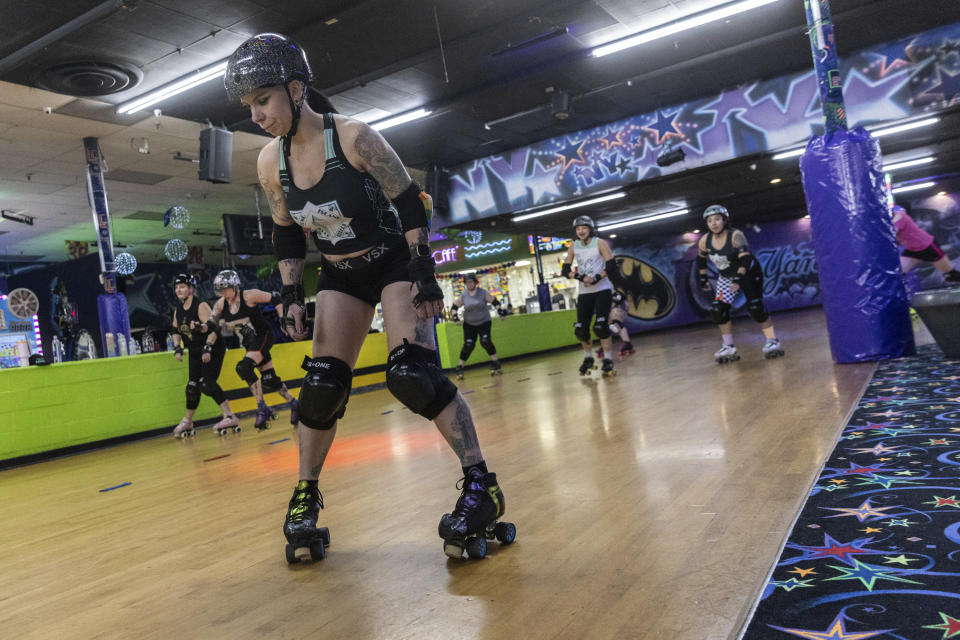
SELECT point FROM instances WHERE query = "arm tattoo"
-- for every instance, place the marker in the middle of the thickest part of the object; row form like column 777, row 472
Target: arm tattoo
column 291, row 270
column 740, row 241
column 275, row 200
column 464, row 435
column 383, row 162
column 417, row 237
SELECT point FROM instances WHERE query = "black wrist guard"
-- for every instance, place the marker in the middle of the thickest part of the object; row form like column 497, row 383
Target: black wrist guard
column 579, row 277
column 414, row 207
column 737, row 277
column 289, row 242
column 178, row 350
column 701, row 262
column 290, row 294
column 565, row 270
column 702, row 280
column 212, row 326
column 613, row 270
column 617, row 297
column 207, row 347
column 501, row 312
column 454, row 309
column 275, row 298
column 422, row 271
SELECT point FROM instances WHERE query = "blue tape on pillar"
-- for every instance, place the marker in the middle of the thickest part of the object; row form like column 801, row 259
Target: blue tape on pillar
column 864, row 300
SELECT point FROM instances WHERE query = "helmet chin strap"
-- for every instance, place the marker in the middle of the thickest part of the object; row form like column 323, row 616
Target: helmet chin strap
column 294, row 112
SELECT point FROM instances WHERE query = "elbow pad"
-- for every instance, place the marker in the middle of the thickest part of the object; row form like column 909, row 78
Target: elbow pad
column 289, row 242
column 454, row 309
column 495, row 303
column 565, row 270
column 613, row 270
column 415, row 208
column 701, row 262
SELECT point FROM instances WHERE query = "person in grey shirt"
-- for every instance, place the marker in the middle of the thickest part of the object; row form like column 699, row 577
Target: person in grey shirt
column 476, row 322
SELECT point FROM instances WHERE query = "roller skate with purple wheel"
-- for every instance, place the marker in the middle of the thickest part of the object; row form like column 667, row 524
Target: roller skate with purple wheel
column 475, row 517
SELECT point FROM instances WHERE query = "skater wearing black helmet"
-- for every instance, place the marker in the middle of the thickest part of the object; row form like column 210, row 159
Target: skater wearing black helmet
column 337, row 179
column 238, row 309
column 737, row 268
column 595, row 268
column 205, row 355
column 476, row 322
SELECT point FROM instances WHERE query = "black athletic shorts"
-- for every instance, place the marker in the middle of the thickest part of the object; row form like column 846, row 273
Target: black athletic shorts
column 471, row 331
column 930, row 254
column 365, row 277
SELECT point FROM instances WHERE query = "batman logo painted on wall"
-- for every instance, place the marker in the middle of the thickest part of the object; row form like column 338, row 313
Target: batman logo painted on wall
column 650, row 295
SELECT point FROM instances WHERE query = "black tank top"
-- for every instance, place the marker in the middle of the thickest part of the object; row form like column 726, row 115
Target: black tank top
column 246, row 318
column 183, row 317
column 726, row 258
column 345, row 211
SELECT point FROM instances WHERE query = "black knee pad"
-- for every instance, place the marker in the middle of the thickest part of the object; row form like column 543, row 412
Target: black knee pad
column 414, row 379
column 270, row 381
column 193, row 395
column 756, row 310
column 247, row 370
column 720, row 312
column 581, row 332
column 467, row 349
column 325, row 392
column 602, row 329
column 212, row 389
column 487, row 344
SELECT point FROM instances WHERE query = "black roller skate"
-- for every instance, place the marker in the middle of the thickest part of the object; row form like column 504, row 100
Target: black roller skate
column 459, row 372
column 264, row 416
column 474, row 519
column 586, row 365
column 304, row 539
column 626, row 349
column 496, row 368
column 772, row 349
column 606, row 370
column 294, row 412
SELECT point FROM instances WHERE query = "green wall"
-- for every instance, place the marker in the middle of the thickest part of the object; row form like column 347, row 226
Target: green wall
column 513, row 336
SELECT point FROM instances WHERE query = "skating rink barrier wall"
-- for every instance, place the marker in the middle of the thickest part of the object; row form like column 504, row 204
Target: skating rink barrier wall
column 76, row 403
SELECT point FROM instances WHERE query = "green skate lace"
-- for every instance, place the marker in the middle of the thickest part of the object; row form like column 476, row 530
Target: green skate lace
column 301, row 503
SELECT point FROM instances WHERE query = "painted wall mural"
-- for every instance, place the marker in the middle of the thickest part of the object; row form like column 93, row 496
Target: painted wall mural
column 661, row 277
column 940, row 217
column 907, row 77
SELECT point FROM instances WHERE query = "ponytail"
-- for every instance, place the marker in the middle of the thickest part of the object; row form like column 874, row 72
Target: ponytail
column 319, row 102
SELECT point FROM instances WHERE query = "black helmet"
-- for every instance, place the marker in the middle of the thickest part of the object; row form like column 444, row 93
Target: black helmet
column 471, row 276
column 185, row 278
column 265, row 60
column 716, row 210
column 585, row 221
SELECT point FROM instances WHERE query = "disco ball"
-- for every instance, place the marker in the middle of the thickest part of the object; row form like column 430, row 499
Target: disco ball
column 125, row 263
column 176, row 250
column 176, row 217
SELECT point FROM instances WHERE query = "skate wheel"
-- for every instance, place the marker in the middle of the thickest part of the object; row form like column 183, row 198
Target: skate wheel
column 290, row 554
column 477, row 547
column 236, row 429
column 324, row 534
column 317, row 550
column 453, row 549
column 506, row 532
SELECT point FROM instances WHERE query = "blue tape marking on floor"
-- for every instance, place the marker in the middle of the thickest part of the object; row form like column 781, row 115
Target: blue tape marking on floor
column 386, row 412
column 555, row 373
column 523, row 379
column 468, row 392
column 123, row 484
column 280, row 440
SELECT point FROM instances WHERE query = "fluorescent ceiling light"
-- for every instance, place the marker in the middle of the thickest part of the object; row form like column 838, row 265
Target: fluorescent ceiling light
column 885, row 131
column 776, row 181
column 677, row 26
column 393, row 121
column 913, row 187
column 644, row 219
column 170, row 90
column 793, row 153
column 567, row 207
column 908, row 163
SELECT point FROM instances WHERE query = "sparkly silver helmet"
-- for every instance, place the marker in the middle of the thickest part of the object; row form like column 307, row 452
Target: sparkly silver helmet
column 226, row 278
column 265, row 60
column 585, row 221
column 716, row 209
column 185, row 278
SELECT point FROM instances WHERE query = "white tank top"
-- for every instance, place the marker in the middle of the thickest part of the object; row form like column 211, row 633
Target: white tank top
column 590, row 263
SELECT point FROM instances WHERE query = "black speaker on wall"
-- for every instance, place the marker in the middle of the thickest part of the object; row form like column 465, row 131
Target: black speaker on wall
column 216, row 155
column 243, row 234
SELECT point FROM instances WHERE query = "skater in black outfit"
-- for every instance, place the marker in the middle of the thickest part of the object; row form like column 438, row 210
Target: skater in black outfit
column 595, row 269
column 237, row 309
column 737, row 268
column 339, row 180
column 205, row 348
column 618, row 315
column 476, row 322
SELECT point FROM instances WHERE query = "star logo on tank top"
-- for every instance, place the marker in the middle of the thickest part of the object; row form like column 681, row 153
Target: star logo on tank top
column 722, row 261
column 326, row 220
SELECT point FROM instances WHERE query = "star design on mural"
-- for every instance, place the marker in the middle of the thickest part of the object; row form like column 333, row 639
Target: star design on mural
column 867, row 574
column 900, row 559
column 939, row 441
column 944, row 502
column 612, row 139
column 843, row 551
column 862, row 513
column 836, row 631
column 803, row 573
column 886, row 65
column 884, row 481
column 663, row 127
column 905, row 472
column 877, row 450
column 871, row 530
column 838, row 480
column 571, row 153
column 948, row 624
column 947, row 86
column 903, row 522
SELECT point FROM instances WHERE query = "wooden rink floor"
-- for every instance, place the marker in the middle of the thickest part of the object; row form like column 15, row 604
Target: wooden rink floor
column 648, row 505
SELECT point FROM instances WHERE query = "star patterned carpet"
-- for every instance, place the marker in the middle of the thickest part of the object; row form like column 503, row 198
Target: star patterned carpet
column 875, row 552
